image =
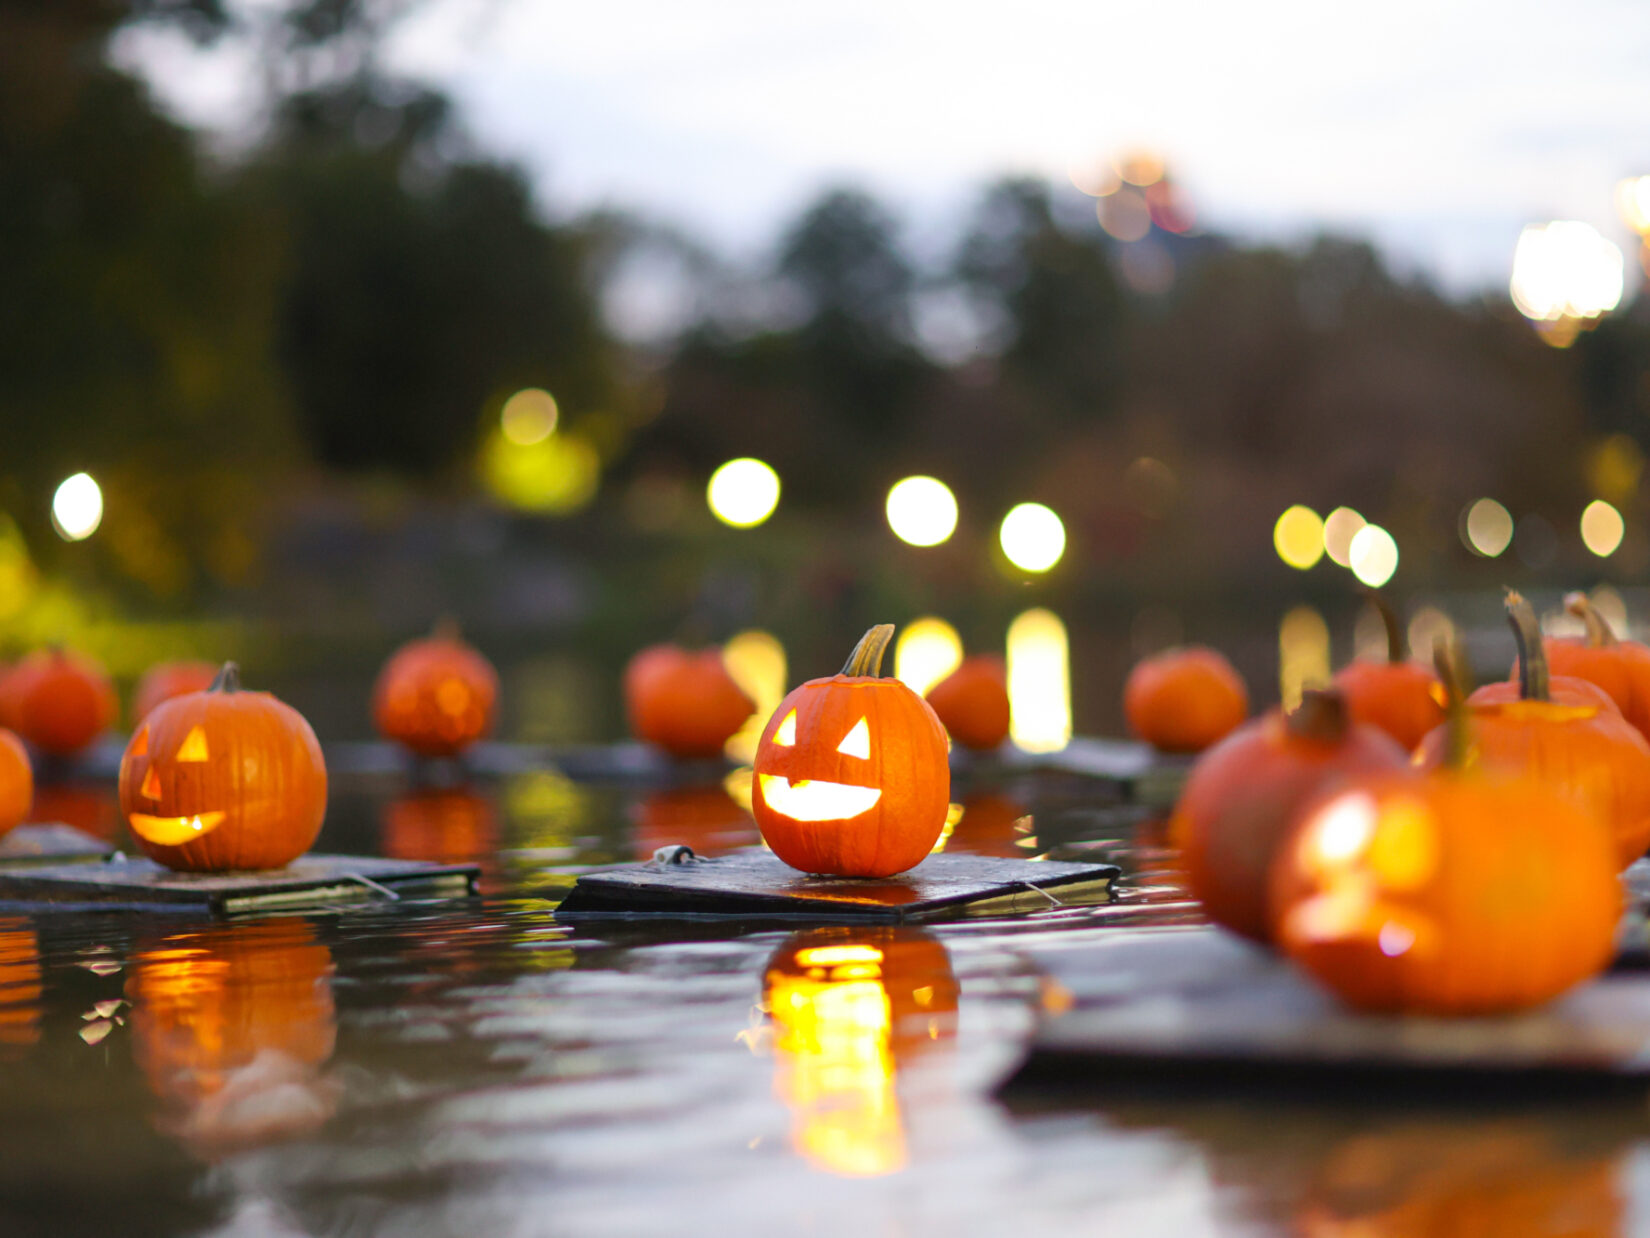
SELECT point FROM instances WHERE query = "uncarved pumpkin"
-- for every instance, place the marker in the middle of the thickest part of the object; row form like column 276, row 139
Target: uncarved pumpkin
column 851, row 772
column 1401, row 697
column 1620, row 667
column 972, row 702
column 16, row 782
column 224, row 779
column 1184, row 700
column 60, row 701
column 435, row 696
column 165, row 680
column 684, row 702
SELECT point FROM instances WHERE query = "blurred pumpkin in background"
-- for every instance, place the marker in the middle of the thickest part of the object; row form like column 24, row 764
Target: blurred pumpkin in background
column 435, row 696
column 972, row 702
column 16, row 782
column 1401, row 697
column 1621, row 668
column 165, row 680
column 1184, row 700
column 59, row 701
column 686, row 703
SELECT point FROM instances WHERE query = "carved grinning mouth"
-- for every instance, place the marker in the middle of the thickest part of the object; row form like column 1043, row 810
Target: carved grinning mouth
column 174, row 831
column 809, row 800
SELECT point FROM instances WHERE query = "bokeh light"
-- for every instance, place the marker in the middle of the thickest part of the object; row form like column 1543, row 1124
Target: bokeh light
column 1374, row 556
column 1566, row 269
column 1124, row 214
column 529, row 417
column 1303, row 653
column 1339, row 528
column 928, row 649
column 1032, row 537
column 1486, row 528
column 1602, row 528
column 1633, row 201
column 1298, row 537
column 756, row 662
column 555, row 476
column 922, row 511
column 17, row 572
column 743, row 492
column 1427, row 627
column 1039, row 682
column 77, row 508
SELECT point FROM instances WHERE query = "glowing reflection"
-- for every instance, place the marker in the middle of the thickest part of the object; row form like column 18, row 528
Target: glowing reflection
column 1566, row 270
column 1486, row 528
column 1298, row 537
column 709, row 819
column 1633, row 201
column 448, row 825
column 1303, row 653
column 926, row 651
column 922, row 511
column 77, row 508
column 756, row 662
column 529, row 417
column 812, row 800
column 20, row 986
column 1374, row 556
column 1339, row 528
column 1039, row 683
column 554, row 476
column 1602, row 528
column 743, row 492
column 1033, row 537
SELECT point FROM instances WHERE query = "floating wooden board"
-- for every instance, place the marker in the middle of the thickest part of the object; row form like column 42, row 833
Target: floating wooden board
column 754, row 884
column 51, row 844
column 314, row 880
column 1198, row 1005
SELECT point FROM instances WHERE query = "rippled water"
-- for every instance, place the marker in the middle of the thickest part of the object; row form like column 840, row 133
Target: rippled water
column 476, row 1068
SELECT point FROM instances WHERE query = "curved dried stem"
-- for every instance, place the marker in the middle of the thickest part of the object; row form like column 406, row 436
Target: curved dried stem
column 1599, row 633
column 865, row 662
column 1533, row 679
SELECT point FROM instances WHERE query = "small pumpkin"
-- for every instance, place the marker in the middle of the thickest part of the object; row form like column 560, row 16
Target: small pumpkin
column 16, row 782
column 686, row 703
column 60, row 701
column 1183, row 700
column 1401, row 697
column 435, row 696
column 165, row 680
column 851, row 773
column 707, row 819
column 1587, row 751
column 972, row 702
column 1454, row 892
column 450, row 825
column 1620, row 667
column 224, row 779
column 1244, row 793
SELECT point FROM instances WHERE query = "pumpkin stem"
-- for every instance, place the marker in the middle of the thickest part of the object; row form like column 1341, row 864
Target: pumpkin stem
column 1533, row 682
column 1397, row 646
column 1320, row 716
column 865, row 662
column 228, row 680
column 1599, row 633
column 1457, row 681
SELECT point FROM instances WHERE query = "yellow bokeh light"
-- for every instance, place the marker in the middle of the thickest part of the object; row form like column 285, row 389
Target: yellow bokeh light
column 922, row 511
column 1032, row 537
column 1633, row 201
column 1487, row 528
column 529, row 417
column 1374, row 556
column 927, row 650
column 1039, row 682
column 1339, row 528
column 77, row 507
column 743, row 492
column 756, row 662
column 17, row 572
column 1566, row 270
column 556, row 476
column 1602, row 528
column 1427, row 627
column 1298, row 537
column 1303, row 653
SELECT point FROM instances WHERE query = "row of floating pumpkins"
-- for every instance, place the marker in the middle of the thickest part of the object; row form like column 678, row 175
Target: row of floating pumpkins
column 1466, row 866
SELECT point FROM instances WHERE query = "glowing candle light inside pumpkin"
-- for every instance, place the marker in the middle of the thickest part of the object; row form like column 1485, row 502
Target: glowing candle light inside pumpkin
column 926, row 652
column 1039, row 683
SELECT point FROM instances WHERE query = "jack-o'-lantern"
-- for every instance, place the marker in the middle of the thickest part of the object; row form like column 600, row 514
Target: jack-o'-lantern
column 230, row 1026
column 165, row 680
column 1184, row 700
column 991, row 824
column 59, row 701
column 91, row 808
column 449, row 825
column 16, row 781
column 851, row 774
column 851, row 1008
column 224, row 779
column 707, row 819
column 972, row 702
column 20, row 987
column 686, row 703
column 436, row 695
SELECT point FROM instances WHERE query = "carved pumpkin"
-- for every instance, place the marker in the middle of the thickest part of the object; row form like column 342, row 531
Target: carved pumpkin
column 1401, row 697
column 1587, row 751
column 230, row 1025
column 59, row 701
column 165, row 680
column 972, row 702
column 851, row 773
column 1243, row 796
column 16, row 782
column 1183, row 700
column 686, row 703
column 1621, row 668
column 991, row 824
column 20, row 987
column 450, row 825
column 91, row 808
column 224, row 779
column 850, row 1008
column 435, row 696
column 707, row 819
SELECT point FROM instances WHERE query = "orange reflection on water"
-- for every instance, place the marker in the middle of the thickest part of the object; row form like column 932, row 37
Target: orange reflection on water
column 707, row 819
column 19, row 987
column 991, row 824
column 92, row 810
column 452, row 825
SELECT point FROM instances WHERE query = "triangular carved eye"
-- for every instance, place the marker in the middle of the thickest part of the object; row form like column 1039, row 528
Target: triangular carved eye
column 193, row 747
column 857, row 743
column 150, row 790
column 140, row 742
column 786, row 734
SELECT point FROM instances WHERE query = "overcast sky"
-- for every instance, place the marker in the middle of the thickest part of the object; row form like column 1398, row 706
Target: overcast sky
column 1438, row 128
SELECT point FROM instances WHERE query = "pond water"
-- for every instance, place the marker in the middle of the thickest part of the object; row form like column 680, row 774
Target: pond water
column 477, row 1068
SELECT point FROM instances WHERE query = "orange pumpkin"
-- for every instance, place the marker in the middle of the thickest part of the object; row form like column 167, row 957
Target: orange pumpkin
column 991, row 824
column 1183, row 700
column 972, row 702
column 1401, row 697
column 686, row 703
column 435, row 696
column 705, row 818
column 1244, row 793
column 1621, row 668
column 452, row 825
column 59, row 701
column 16, row 782
column 851, row 773
column 224, row 779
column 91, row 808
column 165, row 680
column 1588, row 751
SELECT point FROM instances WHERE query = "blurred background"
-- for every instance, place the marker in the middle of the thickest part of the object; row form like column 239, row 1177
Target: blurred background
column 321, row 319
